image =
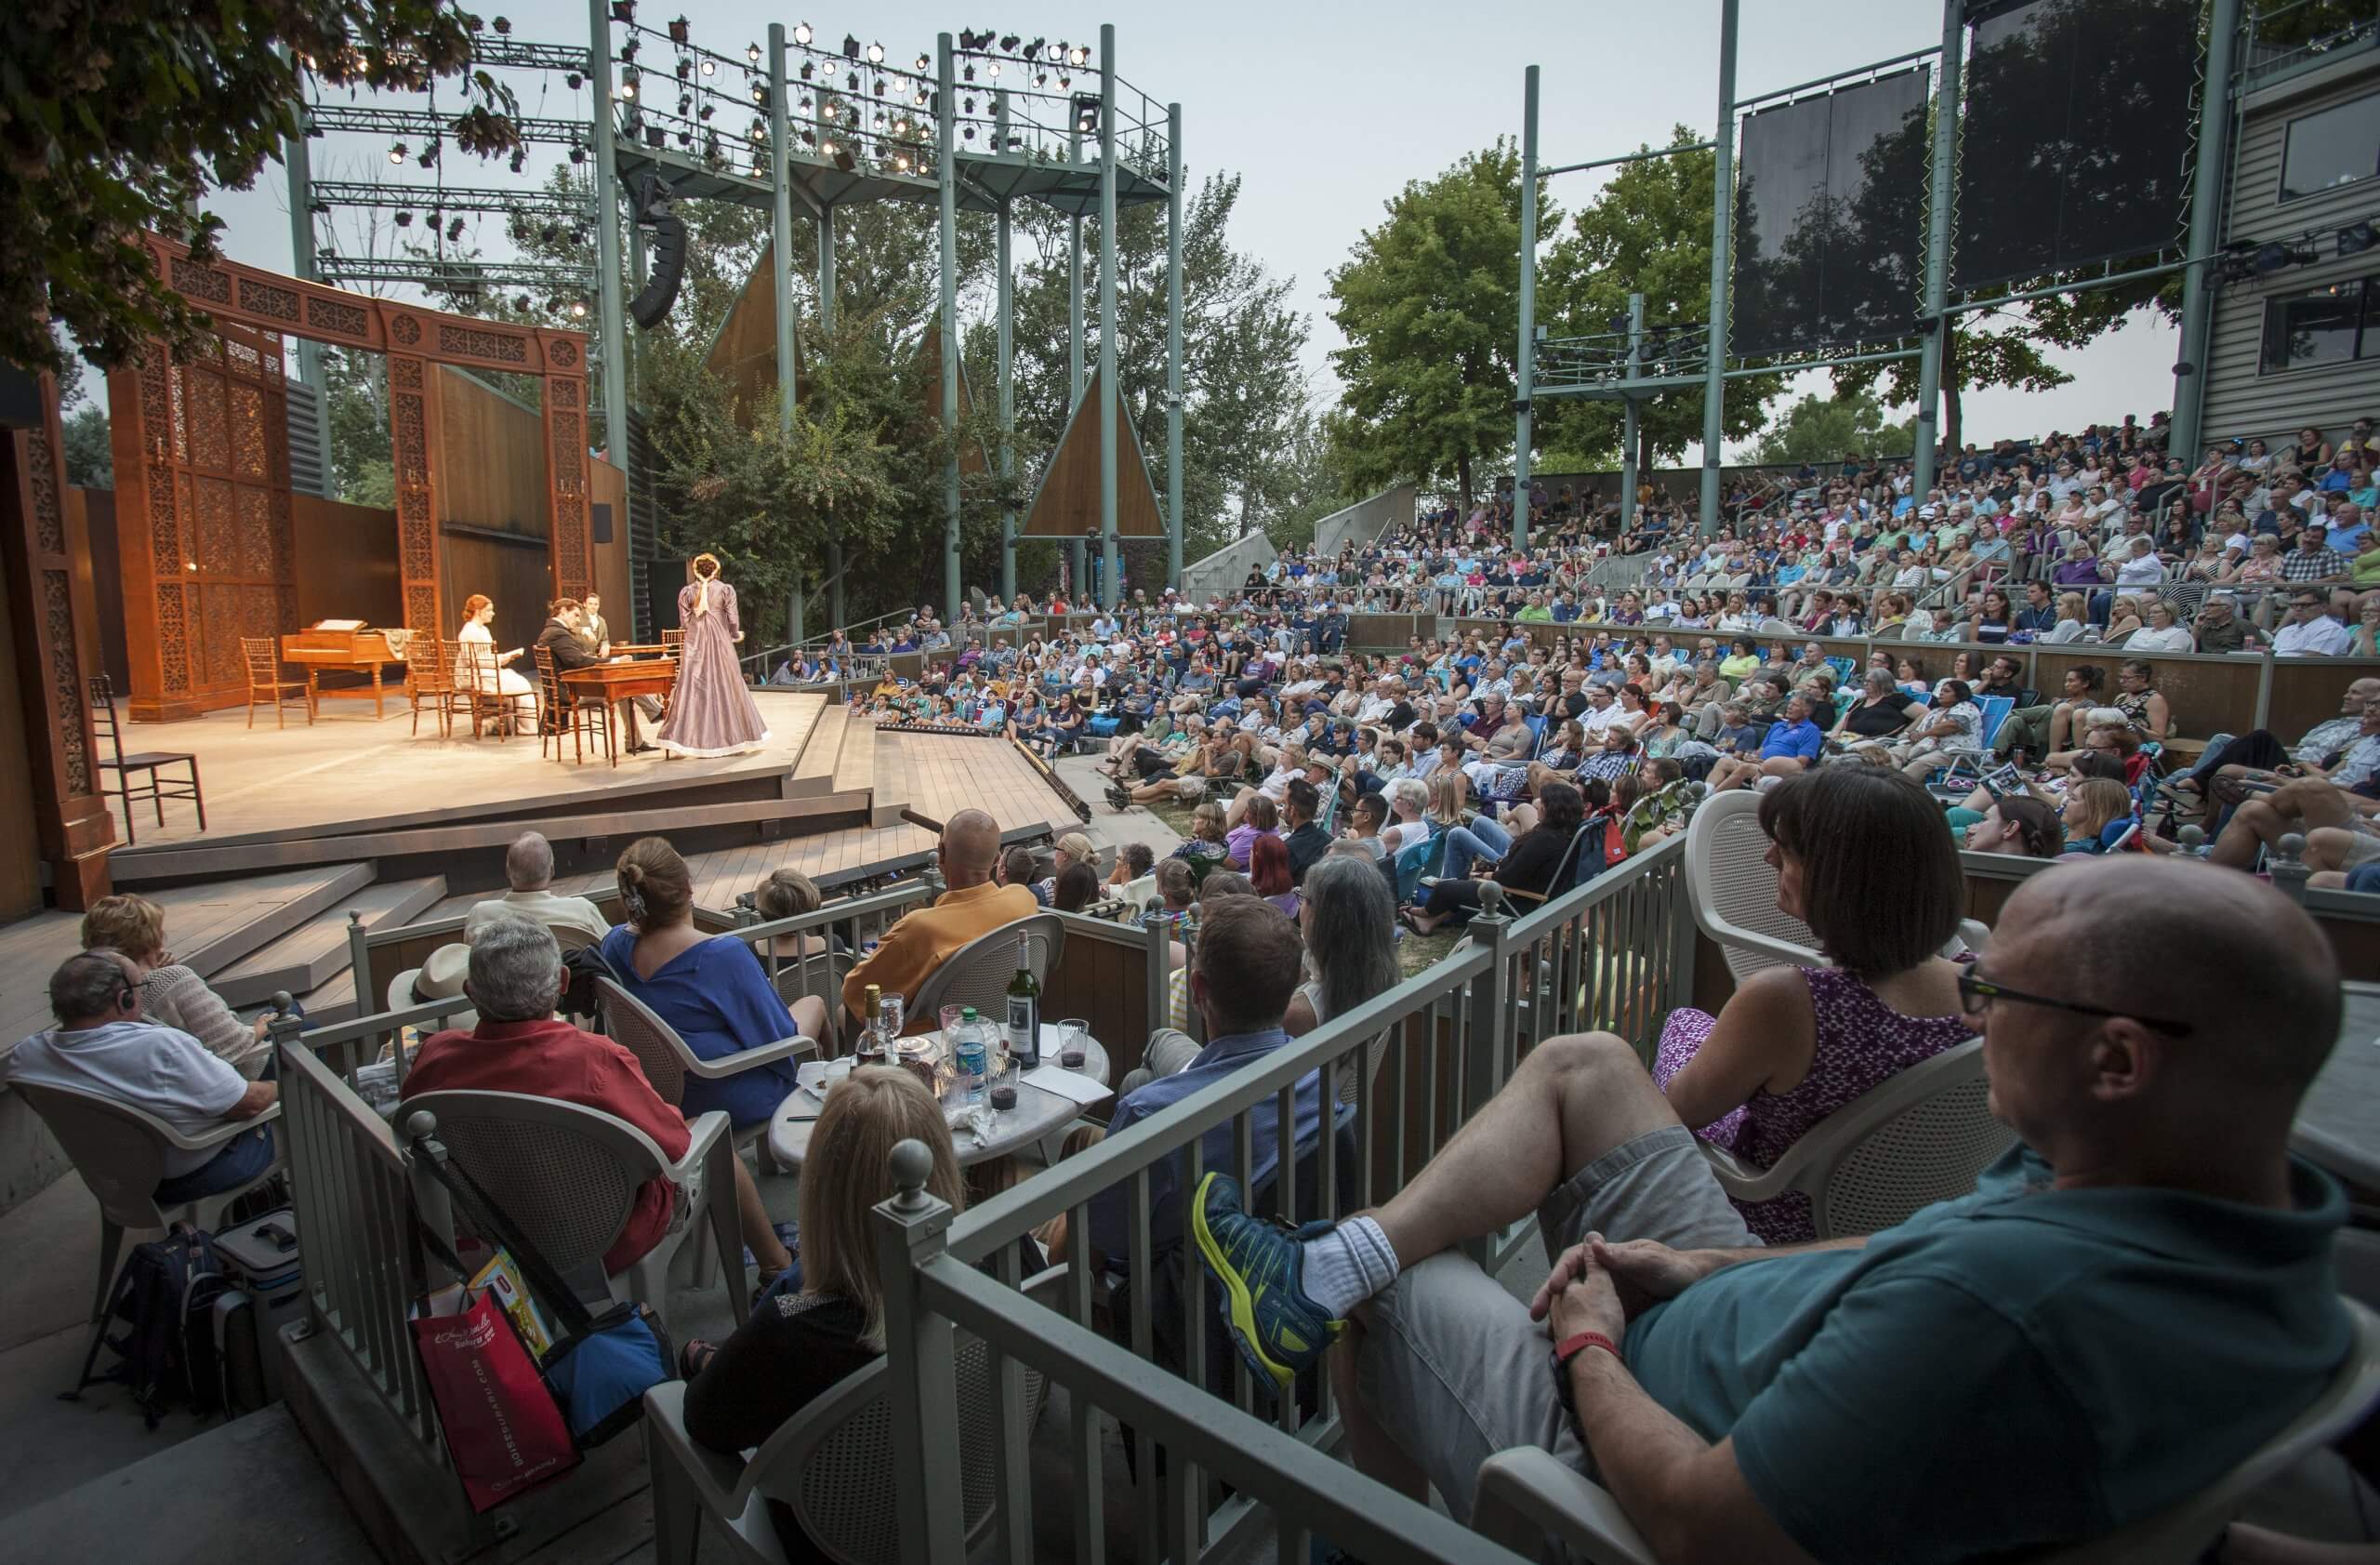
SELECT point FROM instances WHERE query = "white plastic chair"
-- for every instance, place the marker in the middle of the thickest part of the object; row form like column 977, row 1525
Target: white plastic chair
column 1733, row 891
column 667, row 1061
column 827, row 1464
column 1526, row 1495
column 1918, row 1137
column 978, row 972
column 120, row 1151
column 567, row 1175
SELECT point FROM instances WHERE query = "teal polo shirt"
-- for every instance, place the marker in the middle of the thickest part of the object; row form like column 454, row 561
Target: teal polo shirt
column 2016, row 1367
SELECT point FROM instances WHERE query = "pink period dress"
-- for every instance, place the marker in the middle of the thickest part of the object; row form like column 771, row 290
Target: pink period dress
column 710, row 710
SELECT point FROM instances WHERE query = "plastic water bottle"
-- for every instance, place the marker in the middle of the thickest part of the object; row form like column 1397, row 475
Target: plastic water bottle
column 971, row 1057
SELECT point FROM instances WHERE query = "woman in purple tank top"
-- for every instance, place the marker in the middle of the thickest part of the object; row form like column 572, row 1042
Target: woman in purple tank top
column 1861, row 856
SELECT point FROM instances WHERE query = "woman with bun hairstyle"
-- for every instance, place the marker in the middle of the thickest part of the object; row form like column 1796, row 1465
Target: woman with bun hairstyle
column 711, row 711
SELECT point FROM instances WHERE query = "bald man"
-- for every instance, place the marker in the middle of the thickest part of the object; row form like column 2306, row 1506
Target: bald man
column 529, row 874
column 975, row 905
column 2132, row 1301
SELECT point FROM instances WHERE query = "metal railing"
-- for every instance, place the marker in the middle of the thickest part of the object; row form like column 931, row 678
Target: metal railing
column 1427, row 1054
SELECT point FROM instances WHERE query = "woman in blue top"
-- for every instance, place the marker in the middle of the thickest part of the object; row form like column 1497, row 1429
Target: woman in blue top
column 712, row 988
column 713, row 992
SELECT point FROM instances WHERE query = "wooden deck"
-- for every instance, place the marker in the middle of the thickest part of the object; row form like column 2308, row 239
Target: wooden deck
column 349, row 774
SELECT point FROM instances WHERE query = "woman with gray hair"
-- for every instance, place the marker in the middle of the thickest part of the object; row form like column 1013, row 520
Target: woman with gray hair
column 1348, row 917
column 1407, row 797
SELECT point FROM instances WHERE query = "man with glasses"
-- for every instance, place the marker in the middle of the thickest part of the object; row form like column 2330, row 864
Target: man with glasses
column 2127, row 1307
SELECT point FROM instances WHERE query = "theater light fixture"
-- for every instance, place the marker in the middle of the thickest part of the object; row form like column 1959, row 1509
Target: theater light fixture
column 2355, row 238
column 521, row 304
column 801, row 34
column 578, row 308
column 1008, row 43
column 397, row 152
column 752, row 52
column 573, row 80
column 627, row 86
column 404, row 220
column 678, row 32
column 924, row 65
column 503, row 26
column 875, row 54
column 710, row 66
column 851, row 46
column 624, row 10
column 2278, row 256
column 454, row 229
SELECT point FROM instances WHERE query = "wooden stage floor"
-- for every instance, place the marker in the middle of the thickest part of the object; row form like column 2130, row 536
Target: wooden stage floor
column 349, row 773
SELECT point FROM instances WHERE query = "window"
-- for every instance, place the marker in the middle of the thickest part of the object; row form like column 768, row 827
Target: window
column 2330, row 148
column 2332, row 325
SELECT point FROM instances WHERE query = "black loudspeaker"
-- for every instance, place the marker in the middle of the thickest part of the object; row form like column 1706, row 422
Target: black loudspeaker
column 655, row 209
column 598, row 522
column 19, row 397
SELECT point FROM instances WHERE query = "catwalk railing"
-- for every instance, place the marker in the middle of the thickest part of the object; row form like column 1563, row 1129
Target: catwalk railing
column 1408, row 1070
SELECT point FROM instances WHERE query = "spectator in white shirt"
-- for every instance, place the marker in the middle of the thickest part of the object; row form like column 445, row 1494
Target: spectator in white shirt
column 2164, row 632
column 2311, row 629
column 529, row 872
column 102, row 1045
column 2139, row 566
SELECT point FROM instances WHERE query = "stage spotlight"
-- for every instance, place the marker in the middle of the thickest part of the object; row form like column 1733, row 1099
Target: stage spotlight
column 397, row 152
column 968, row 73
column 678, row 31
column 1086, row 106
column 969, row 132
column 924, row 65
column 879, row 119
column 320, row 208
column 705, row 112
column 624, row 10
column 875, row 54
column 503, row 26
column 851, row 46
column 969, row 41
column 627, row 86
column 654, row 137
column 759, row 93
column 578, row 308
column 967, row 104
column 520, row 158
column 752, row 52
column 759, row 128
column 805, row 103
column 1008, row 43
column 686, row 70
column 808, row 69
column 801, row 34
column 2355, row 238
column 628, row 51
column 919, row 101
column 709, row 66
column 901, row 163
column 2278, row 256
column 1033, row 49
column 879, row 87
column 1078, row 56
column 1065, row 81
column 454, row 229
column 1041, row 78
column 327, row 253
column 1057, row 51
column 993, row 69
column 404, row 220
column 851, row 82
column 573, row 80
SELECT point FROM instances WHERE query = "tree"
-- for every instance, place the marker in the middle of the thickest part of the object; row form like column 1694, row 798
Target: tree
column 1647, row 230
column 1817, row 429
column 1430, row 305
column 120, row 116
column 90, row 462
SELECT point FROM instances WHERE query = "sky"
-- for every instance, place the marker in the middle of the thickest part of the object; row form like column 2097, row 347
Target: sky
column 1327, row 108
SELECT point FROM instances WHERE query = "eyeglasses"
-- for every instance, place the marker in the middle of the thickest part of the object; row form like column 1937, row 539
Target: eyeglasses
column 1976, row 994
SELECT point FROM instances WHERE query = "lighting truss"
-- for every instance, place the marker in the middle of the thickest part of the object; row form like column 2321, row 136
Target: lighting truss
column 429, row 272
column 425, row 124
column 452, row 199
column 491, row 48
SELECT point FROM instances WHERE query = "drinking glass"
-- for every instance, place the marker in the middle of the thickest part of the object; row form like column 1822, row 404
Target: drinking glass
column 1074, row 1033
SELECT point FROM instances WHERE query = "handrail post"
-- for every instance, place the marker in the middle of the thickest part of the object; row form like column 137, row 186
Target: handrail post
column 1491, row 1028
column 1158, row 934
column 920, row 1365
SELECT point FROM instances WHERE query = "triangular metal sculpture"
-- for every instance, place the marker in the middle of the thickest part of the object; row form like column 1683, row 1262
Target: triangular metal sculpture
column 1066, row 504
column 744, row 354
column 971, row 455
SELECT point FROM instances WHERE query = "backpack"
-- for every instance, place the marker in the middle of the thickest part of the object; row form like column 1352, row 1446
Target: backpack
column 165, row 1297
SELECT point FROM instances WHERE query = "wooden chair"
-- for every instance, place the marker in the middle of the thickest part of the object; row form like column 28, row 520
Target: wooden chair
column 159, row 788
column 478, row 681
column 263, row 655
column 429, row 682
column 589, row 721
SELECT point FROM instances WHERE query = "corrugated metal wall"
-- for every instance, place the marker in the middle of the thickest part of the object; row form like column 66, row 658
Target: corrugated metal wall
column 308, row 463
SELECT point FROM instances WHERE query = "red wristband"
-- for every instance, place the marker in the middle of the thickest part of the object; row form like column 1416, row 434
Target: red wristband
column 1570, row 1348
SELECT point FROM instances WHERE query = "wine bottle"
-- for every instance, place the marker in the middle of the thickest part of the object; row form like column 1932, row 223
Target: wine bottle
column 1025, row 1009
column 866, row 1042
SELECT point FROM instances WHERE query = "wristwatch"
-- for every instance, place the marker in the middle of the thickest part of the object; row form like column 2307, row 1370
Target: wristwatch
column 1568, row 1349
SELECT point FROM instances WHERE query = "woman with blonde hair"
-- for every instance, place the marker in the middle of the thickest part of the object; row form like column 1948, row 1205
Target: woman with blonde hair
column 2097, row 813
column 171, row 994
column 824, row 1318
column 711, row 713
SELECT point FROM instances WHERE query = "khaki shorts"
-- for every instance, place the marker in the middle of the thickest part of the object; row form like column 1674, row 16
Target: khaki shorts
column 1450, row 1363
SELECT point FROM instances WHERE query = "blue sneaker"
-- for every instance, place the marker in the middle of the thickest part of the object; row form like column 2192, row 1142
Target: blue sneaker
column 1261, row 1269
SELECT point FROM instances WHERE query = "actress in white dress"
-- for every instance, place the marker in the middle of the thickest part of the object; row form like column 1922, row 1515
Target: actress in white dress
column 481, row 667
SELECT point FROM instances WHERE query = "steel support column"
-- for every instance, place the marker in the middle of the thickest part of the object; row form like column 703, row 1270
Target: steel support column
column 611, row 313
column 781, row 280
column 1004, row 309
column 2206, row 230
column 1938, row 251
column 1174, row 526
column 298, row 159
column 1107, row 398
column 1723, row 212
column 1074, row 344
column 946, row 113
column 1628, row 419
column 1527, row 358
column 835, row 618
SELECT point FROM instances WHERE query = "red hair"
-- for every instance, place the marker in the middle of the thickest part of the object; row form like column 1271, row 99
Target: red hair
column 1268, row 866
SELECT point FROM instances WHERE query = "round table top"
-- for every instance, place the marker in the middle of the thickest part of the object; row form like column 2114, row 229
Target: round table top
column 1039, row 1112
column 2338, row 1125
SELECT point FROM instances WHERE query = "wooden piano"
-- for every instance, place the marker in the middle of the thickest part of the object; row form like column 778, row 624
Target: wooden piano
column 358, row 651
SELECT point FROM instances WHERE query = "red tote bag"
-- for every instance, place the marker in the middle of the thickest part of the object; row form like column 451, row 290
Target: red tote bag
column 504, row 1433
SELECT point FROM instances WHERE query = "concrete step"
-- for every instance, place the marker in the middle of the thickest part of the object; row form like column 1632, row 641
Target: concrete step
column 814, row 773
column 310, row 955
column 284, row 901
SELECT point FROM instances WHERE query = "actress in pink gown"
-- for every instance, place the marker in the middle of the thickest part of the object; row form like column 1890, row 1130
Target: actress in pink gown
column 712, row 712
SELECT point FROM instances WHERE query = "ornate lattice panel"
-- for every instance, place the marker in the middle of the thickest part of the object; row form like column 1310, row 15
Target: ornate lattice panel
column 410, row 390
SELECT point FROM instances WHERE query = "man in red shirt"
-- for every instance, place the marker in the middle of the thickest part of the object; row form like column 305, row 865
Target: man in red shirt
column 515, row 982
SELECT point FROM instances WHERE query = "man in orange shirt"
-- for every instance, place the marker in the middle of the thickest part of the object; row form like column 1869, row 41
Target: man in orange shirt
column 923, row 940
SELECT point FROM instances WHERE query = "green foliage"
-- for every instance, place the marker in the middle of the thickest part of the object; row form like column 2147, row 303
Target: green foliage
column 90, row 462
column 1430, row 305
column 1647, row 230
column 357, row 395
column 118, row 116
column 1817, row 429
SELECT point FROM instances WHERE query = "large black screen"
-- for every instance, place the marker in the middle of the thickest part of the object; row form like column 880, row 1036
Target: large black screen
column 2077, row 135
column 1830, row 213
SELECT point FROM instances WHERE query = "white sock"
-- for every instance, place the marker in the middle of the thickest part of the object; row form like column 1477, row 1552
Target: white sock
column 1348, row 1264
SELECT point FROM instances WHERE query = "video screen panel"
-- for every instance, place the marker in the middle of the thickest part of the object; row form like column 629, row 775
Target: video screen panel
column 2066, row 161
column 1830, row 217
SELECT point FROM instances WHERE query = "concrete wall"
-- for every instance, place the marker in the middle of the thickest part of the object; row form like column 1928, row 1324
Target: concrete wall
column 1227, row 566
column 1366, row 520
column 30, row 1160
